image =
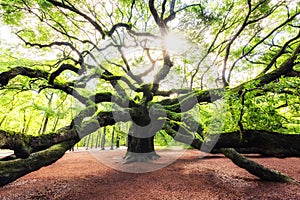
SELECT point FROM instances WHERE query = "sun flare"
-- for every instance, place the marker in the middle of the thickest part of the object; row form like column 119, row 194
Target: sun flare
column 175, row 42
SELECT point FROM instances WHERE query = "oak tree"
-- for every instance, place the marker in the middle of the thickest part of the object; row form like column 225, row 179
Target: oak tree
column 220, row 76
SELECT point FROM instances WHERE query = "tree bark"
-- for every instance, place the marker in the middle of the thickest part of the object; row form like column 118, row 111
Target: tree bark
column 254, row 168
column 140, row 149
column 51, row 147
column 254, row 141
column 14, row 169
column 103, row 139
column 87, row 142
column 213, row 142
column 140, row 141
column 112, row 139
column 24, row 145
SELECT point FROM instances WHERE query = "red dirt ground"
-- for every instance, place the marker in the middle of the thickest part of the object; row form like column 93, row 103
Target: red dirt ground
column 79, row 175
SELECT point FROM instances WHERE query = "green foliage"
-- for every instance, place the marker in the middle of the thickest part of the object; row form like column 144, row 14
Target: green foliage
column 12, row 12
column 214, row 27
column 298, row 59
column 269, row 108
column 44, row 4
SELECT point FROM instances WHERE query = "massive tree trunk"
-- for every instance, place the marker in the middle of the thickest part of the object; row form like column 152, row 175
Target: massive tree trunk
column 141, row 138
column 140, row 149
column 140, row 143
column 261, row 142
column 44, row 150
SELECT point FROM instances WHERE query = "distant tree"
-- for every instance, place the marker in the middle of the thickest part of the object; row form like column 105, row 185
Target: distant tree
column 112, row 139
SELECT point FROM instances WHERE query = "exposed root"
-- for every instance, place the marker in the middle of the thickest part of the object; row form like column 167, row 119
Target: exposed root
column 140, row 157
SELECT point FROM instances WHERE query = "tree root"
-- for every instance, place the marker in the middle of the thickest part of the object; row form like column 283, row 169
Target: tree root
column 131, row 157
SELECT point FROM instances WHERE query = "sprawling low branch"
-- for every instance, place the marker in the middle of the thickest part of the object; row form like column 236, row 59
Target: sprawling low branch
column 255, row 168
column 273, row 144
column 14, row 169
column 51, row 147
column 24, row 145
column 262, row 142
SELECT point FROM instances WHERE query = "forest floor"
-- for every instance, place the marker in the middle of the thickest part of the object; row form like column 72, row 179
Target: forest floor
column 81, row 175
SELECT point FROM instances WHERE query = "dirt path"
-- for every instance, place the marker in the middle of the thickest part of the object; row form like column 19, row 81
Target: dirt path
column 79, row 175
